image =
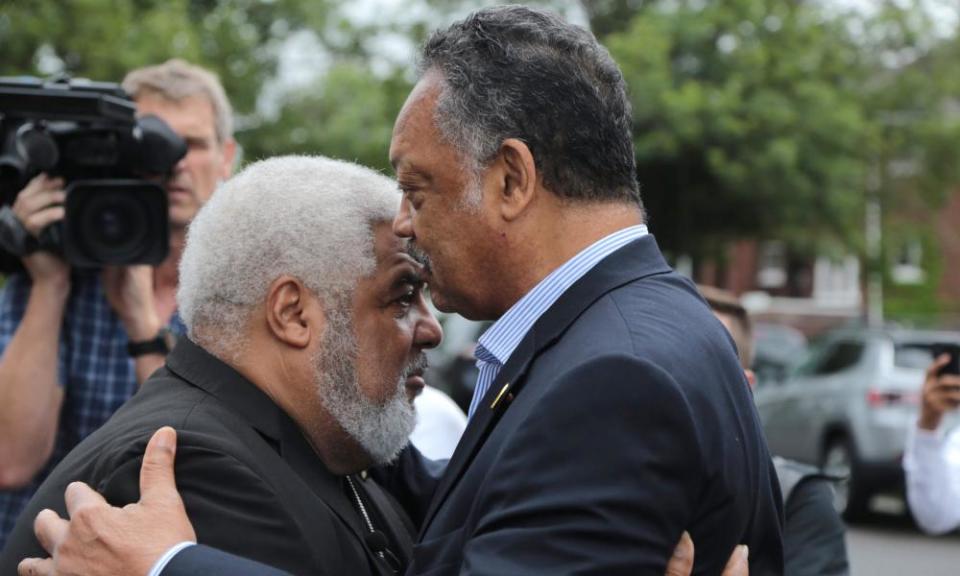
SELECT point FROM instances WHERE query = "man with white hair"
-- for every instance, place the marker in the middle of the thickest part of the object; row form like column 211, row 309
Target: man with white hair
column 307, row 326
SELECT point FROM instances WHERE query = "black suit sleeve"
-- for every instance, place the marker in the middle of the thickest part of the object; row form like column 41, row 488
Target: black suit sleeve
column 205, row 561
column 813, row 540
column 231, row 508
column 600, row 479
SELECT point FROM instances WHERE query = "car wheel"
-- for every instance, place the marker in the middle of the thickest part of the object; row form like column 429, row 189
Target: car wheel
column 839, row 459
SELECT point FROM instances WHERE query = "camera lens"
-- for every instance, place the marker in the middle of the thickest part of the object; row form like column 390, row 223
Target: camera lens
column 111, row 222
column 113, row 225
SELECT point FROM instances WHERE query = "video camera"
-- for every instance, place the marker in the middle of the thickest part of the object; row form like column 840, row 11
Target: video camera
column 88, row 134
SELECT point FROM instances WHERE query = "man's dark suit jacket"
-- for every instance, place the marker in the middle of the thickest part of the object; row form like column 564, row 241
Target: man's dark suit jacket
column 622, row 419
column 250, row 482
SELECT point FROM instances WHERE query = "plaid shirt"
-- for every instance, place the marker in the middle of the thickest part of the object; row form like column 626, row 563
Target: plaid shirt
column 94, row 369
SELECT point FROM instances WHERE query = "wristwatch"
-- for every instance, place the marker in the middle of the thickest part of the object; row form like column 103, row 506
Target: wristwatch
column 162, row 343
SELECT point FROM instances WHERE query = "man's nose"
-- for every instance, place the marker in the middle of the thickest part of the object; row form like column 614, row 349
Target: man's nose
column 429, row 333
column 181, row 165
column 403, row 221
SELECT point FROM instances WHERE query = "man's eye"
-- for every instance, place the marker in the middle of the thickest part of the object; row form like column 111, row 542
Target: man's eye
column 407, row 299
column 412, row 196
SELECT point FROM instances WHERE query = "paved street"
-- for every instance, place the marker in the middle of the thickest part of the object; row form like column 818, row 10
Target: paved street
column 890, row 545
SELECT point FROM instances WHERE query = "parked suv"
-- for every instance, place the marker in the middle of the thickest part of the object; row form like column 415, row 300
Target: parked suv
column 849, row 405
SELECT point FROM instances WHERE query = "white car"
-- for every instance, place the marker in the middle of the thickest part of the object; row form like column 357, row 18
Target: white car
column 848, row 405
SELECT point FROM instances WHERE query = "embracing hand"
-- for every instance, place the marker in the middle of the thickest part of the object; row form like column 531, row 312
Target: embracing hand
column 100, row 539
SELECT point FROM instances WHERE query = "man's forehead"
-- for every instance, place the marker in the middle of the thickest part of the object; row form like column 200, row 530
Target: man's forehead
column 388, row 247
column 417, row 112
column 395, row 264
column 193, row 113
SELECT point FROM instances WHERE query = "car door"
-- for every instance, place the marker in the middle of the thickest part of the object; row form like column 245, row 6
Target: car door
column 795, row 413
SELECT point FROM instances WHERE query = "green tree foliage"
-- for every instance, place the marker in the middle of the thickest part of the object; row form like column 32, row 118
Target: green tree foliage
column 912, row 100
column 103, row 39
column 748, row 121
column 609, row 16
column 348, row 113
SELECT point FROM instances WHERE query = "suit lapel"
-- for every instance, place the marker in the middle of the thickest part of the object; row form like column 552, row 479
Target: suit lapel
column 481, row 424
column 636, row 260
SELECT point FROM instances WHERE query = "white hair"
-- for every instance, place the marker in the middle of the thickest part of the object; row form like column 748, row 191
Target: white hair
column 308, row 217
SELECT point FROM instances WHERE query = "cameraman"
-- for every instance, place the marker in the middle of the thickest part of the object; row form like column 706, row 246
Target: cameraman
column 931, row 460
column 66, row 365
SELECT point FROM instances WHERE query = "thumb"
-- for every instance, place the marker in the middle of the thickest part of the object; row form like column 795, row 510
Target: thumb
column 156, row 474
column 35, row 567
column 738, row 565
column 681, row 563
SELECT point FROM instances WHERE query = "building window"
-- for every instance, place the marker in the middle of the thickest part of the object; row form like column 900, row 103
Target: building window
column 772, row 269
column 908, row 266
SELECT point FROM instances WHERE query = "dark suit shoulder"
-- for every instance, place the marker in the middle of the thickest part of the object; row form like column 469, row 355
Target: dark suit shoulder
column 240, row 493
column 666, row 320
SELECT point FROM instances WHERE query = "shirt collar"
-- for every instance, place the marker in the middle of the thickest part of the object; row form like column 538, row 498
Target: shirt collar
column 500, row 340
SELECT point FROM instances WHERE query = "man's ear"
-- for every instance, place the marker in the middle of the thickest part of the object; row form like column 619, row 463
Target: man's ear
column 751, row 377
column 229, row 150
column 518, row 185
column 293, row 312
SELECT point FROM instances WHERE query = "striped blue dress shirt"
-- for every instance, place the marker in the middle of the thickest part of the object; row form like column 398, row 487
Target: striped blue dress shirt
column 500, row 340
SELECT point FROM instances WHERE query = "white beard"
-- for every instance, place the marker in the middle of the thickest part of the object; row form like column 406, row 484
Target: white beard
column 382, row 429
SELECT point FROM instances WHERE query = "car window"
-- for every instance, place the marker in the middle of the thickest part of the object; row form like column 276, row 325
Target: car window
column 831, row 358
column 808, row 365
column 913, row 355
column 843, row 355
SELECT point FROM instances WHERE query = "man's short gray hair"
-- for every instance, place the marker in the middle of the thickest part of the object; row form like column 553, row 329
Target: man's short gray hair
column 516, row 72
column 175, row 80
column 308, row 217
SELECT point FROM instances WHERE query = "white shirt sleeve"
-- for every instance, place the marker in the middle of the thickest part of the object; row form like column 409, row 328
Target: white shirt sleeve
column 440, row 424
column 167, row 557
column 932, row 465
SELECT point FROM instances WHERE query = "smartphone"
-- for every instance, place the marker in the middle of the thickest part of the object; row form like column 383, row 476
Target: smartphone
column 953, row 366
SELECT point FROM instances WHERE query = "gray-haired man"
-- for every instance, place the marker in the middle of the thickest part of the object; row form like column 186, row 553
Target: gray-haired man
column 307, row 327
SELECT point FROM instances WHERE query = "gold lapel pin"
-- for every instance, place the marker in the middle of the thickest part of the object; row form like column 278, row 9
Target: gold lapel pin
column 499, row 396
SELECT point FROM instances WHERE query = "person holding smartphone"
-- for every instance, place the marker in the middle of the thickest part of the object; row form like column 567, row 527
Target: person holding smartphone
column 932, row 457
